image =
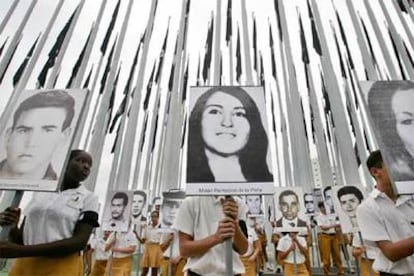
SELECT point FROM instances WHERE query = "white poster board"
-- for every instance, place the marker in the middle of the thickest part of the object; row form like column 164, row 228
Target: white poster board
column 228, row 150
column 117, row 213
column 390, row 105
column 290, row 210
column 37, row 138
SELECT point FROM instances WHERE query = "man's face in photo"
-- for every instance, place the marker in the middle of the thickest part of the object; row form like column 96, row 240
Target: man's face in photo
column 328, row 200
column 117, row 208
column 289, row 206
column 31, row 143
column 309, row 205
column 138, row 203
column 169, row 211
column 254, row 203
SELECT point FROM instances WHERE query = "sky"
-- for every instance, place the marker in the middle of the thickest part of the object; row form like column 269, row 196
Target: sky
column 168, row 14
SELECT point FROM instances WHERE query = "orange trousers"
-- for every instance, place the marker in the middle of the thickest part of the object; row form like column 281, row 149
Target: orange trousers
column 329, row 245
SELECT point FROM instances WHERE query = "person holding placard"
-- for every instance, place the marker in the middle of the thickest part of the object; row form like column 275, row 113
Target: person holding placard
column 328, row 241
column 386, row 220
column 292, row 250
column 56, row 227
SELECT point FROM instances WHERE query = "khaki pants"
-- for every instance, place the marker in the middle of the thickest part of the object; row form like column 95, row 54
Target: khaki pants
column 289, row 269
column 365, row 267
column 329, row 245
column 249, row 266
column 99, row 268
column 177, row 270
column 121, row 266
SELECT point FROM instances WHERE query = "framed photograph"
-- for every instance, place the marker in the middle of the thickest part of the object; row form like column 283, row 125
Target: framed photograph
column 171, row 202
column 228, row 149
column 390, row 105
column 37, row 137
column 117, row 213
column 290, row 210
column 346, row 200
column 328, row 200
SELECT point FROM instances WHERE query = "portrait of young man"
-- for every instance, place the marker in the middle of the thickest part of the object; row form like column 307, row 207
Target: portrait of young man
column 117, row 211
column 37, row 137
column 290, row 210
column 171, row 202
column 139, row 207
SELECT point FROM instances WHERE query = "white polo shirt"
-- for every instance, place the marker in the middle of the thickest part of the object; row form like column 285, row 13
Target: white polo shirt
column 284, row 244
column 325, row 220
column 199, row 218
column 122, row 240
column 52, row 216
column 381, row 220
column 152, row 234
column 251, row 238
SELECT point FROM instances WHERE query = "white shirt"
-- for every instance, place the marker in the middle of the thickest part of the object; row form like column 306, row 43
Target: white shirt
column 152, row 234
column 284, row 244
column 251, row 238
column 326, row 220
column 98, row 245
column 199, row 218
column 52, row 216
column 381, row 220
column 372, row 251
column 123, row 240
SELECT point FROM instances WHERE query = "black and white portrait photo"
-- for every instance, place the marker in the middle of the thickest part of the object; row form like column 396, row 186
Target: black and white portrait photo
column 391, row 109
column 255, row 205
column 328, row 200
column 309, row 203
column 346, row 200
column 290, row 211
column 37, row 137
column 228, row 147
column 117, row 212
column 139, row 207
column 171, row 202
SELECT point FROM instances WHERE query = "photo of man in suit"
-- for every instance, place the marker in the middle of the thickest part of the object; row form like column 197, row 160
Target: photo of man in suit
column 289, row 206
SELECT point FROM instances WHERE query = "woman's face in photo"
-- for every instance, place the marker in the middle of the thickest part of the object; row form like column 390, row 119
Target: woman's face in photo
column 254, row 204
column 403, row 108
column 349, row 203
column 224, row 126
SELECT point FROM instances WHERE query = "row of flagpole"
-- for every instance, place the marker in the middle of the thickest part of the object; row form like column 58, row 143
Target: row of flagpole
column 148, row 144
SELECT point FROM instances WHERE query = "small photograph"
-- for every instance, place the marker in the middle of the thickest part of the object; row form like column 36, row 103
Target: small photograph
column 255, row 205
column 290, row 210
column 171, row 202
column 228, row 150
column 390, row 105
column 328, row 200
column 139, row 207
column 309, row 204
column 346, row 200
column 37, row 137
column 117, row 212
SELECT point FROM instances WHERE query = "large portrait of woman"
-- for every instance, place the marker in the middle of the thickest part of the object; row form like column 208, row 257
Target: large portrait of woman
column 391, row 108
column 228, row 142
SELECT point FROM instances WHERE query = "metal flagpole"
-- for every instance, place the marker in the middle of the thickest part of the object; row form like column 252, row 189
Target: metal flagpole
column 127, row 149
column 8, row 15
column 56, row 68
column 15, row 40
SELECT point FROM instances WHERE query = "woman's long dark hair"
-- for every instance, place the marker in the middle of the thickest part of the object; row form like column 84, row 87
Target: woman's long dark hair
column 380, row 106
column 252, row 157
